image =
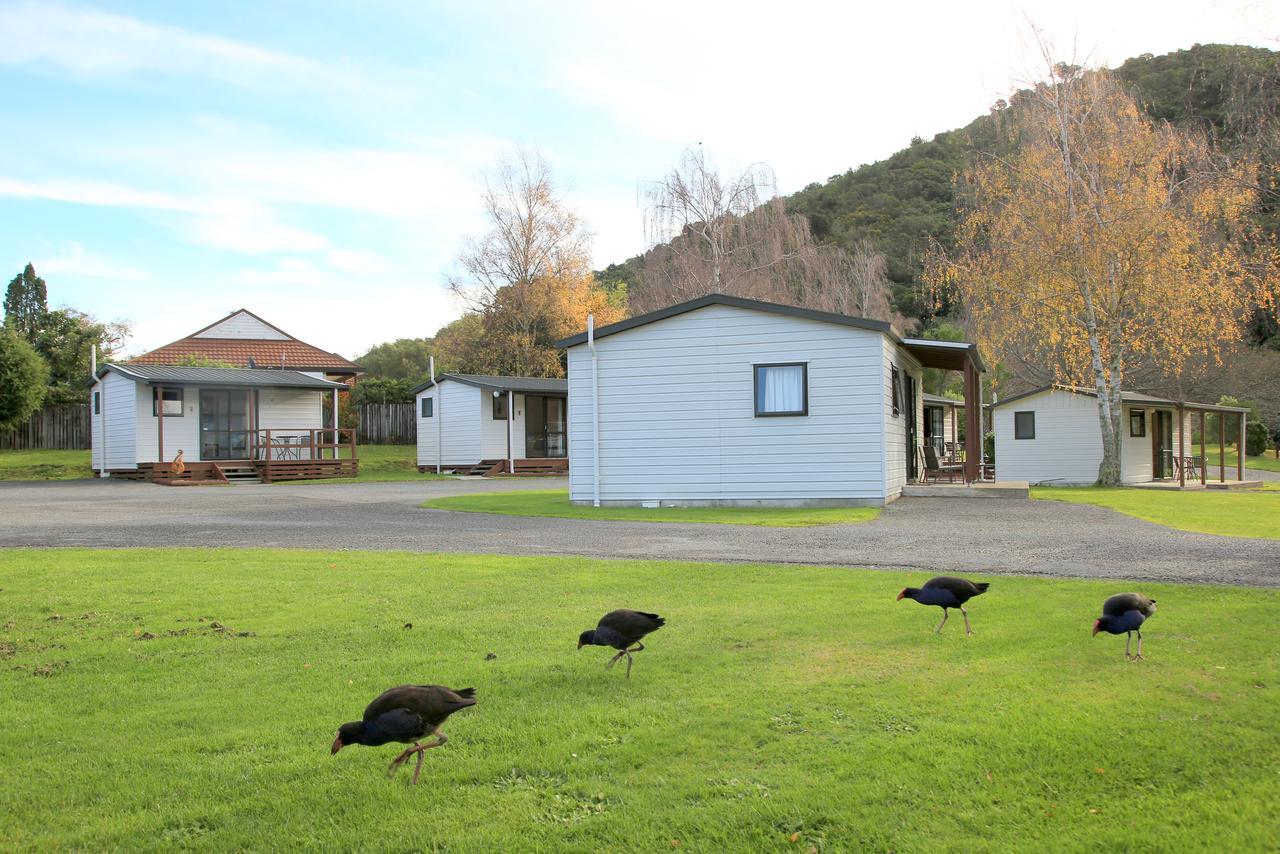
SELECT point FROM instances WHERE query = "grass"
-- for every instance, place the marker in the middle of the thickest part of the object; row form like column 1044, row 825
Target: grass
column 555, row 502
column 44, row 465
column 1266, row 462
column 782, row 708
column 381, row 463
column 1231, row 514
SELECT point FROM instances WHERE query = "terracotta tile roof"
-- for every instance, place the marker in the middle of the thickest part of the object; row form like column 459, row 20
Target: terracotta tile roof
column 296, row 355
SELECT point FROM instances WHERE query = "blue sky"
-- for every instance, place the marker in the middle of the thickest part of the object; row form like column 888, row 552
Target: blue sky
column 318, row 163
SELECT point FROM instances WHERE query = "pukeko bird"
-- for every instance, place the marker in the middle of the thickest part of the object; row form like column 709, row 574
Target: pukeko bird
column 1125, row 612
column 946, row 592
column 406, row 714
column 620, row 629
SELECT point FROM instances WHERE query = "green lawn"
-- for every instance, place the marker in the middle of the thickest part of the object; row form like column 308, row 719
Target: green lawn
column 44, row 465
column 1266, row 462
column 379, row 463
column 1232, row 514
column 778, row 704
column 555, row 502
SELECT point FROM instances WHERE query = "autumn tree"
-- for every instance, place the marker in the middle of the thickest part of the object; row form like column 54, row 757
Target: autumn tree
column 731, row 234
column 528, row 277
column 1102, row 242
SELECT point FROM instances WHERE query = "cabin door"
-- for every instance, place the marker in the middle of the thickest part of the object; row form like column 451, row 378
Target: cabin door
column 224, row 424
column 913, row 430
column 1161, row 443
column 544, row 427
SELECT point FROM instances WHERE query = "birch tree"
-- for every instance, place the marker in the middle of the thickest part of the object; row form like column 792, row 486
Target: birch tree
column 1102, row 241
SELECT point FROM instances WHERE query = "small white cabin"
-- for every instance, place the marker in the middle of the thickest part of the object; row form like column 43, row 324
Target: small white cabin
column 478, row 424
column 1052, row 436
column 268, row 424
column 725, row 400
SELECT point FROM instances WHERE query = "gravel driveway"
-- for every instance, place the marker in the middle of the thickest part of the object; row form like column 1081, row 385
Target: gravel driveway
column 930, row 534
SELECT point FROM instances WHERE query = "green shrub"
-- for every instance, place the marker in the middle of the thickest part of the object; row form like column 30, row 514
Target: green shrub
column 1255, row 438
column 989, row 447
column 24, row 379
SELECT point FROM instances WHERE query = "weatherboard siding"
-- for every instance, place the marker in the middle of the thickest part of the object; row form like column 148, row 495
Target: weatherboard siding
column 1067, row 448
column 242, row 326
column 428, row 429
column 677, row 411
column 895, row 426
column 287, row 409
column 118, row 406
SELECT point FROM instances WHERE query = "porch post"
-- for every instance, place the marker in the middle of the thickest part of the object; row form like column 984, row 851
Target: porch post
column 955, row 434
column 511, row 422
column 1222, row 447
column 1204, row 458
column 1240, row 450
column 972, row 423
column 159, row 393
column 337, row 439
column 1182, row 448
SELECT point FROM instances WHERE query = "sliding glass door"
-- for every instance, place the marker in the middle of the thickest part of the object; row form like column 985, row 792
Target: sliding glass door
column 224, row 424
column 544, row 427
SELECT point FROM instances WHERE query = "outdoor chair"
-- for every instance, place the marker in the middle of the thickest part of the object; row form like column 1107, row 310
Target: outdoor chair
column 934, row 469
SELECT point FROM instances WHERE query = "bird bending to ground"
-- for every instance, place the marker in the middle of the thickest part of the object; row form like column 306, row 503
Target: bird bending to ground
column 406, row 714
column 1125, row 612
column 620, row 629
column 946, row 592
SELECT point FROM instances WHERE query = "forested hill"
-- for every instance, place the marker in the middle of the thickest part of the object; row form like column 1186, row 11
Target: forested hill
column 899, row 202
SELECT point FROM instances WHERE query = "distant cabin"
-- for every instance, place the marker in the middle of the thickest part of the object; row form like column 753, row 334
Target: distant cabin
column 478, row 424
column 244, row 340
column 1052, row 435
column 725, row 400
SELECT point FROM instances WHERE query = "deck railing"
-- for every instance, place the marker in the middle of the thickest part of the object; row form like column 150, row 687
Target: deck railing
column 282, row 444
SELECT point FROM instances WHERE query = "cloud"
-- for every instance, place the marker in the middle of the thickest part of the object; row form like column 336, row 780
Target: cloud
column 90, row 42
column 75, row 260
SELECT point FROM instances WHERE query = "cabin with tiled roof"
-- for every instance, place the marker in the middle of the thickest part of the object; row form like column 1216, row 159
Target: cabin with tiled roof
column 245, row 340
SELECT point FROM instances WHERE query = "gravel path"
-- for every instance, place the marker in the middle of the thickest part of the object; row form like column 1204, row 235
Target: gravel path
column 1048, row 538
column 1261, row 474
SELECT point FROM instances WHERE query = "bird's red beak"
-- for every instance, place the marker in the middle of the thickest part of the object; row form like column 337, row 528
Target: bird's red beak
column 337, row 745
column 1095, row 626
column 903, row 593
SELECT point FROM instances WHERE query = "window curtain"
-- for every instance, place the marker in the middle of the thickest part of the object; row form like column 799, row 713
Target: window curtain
column 783, row 389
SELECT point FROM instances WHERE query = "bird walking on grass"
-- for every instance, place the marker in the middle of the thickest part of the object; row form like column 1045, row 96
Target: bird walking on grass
column 946, row 592
column 1125, row 613
column 406, row 715
column 620, row 629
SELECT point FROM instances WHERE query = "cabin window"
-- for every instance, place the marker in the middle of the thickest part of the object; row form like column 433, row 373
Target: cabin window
column 97, row 403
column 1137, row 422
column 500, row 407
column 895, row 384
column 782, row 389
column 428, row 406
column 1024, row 425
column 172, row 402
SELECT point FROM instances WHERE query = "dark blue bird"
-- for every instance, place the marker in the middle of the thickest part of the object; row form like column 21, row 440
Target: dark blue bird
column 406, row 714
column 620, row 629
column 946, row 592
column 1124, row 614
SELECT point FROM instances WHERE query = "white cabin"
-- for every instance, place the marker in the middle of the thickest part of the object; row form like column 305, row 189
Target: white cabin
column 724, row 400
column 215, row 417
column 488, row 424
column 1052, row 436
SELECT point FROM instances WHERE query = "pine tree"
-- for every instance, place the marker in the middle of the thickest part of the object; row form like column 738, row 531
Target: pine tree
column 26, row 303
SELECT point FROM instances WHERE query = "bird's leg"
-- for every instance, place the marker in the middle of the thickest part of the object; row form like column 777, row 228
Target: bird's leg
column 945, row 614
column 1138, row 657
column 614, row 660
column 421, row 750
column 402, row 757
column 417, row 769
column 1128, row 636
column 967, row 629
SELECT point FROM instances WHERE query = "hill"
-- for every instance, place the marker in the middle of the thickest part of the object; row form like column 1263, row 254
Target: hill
column 900, row 202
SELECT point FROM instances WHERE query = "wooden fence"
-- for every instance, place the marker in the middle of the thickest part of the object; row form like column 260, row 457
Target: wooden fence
column 386, row 424
column 54, row 428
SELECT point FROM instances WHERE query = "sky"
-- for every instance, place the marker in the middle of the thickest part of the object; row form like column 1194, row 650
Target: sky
column 319, row 163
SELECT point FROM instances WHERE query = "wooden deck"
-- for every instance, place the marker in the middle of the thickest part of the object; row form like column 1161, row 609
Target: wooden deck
column 267, row 471
column 530, row 467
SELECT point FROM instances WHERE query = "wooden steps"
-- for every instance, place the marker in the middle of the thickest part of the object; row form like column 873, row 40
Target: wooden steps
column 238, row 472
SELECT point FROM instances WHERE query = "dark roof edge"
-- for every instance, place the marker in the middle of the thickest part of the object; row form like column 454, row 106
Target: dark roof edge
column 1155, row 401
column 139, row 378
column 737, row 302
column 473, row 383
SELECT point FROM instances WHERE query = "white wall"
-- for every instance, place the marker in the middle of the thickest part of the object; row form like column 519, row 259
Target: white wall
column 458, row 404
column 180, row 433
column 895, row 427
column 286, row 409
column 118, row 415
column 1067, row 448
column 242, row 326
column 428, row 429
column 493, row 433
column 677, row 416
